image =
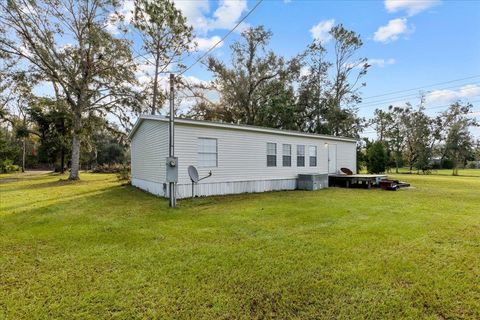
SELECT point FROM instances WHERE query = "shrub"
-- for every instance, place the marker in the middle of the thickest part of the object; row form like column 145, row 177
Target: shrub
column 124, row 174
column 390, row 165
column 376, row 157
column 426, row 169
column 447, row 164
column 473, row 165
column 436, row 166
column 110, row 168
column 7, row 166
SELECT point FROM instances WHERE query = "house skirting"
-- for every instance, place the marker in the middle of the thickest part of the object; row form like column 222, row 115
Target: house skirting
column 155, row 188
column 217, row 188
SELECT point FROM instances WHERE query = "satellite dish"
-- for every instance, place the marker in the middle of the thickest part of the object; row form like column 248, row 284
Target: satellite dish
column 193, row 173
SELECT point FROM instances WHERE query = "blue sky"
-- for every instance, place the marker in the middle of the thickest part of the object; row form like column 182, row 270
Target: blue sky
column 410, row 43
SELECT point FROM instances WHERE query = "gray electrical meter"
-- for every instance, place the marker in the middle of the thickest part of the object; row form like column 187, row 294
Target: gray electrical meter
column 172, row 169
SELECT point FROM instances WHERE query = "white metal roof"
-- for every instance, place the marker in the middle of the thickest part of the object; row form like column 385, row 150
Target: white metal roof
column 236, row 127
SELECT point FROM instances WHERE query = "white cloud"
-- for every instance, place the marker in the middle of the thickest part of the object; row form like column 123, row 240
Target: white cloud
column 227, row 14
column 224, row 17
column 186, row 102
column 145, row 77
column 412, row 7
column 321, row 30
column 204, row 44
column 392, row 30
column 381, row 62
column 195, row 12
column 125, row 14
column 397, row 27
column 195, row 81
column 26, row 52
column 372, row 62
column 304, row 71
column 145, row 72
column 445, row 96
column 127, row 10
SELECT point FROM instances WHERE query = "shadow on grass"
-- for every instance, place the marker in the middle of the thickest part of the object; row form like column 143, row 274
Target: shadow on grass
column 8, row 180
column 124, row 200
column 73, row 197
column 109, row 206
column 49, row 184
column 98, row 199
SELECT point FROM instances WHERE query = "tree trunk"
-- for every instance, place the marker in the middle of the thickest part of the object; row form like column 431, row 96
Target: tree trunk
column 23, row 154
column 155, row 82
column 455, row 167
column 77, row 128
column 62, row 161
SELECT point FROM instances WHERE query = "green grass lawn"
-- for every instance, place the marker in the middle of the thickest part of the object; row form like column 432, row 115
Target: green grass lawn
column 96, row 249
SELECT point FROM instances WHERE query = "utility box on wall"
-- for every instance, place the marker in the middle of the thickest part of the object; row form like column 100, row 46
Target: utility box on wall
column 313, row 181
column 172, row 169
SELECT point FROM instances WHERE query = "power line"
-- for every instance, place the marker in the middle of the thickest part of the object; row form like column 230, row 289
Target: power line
column 443, row 106
column 418, row 88
column 382, row 104
column 412, row 95
column 223, row 38
column 437, row 107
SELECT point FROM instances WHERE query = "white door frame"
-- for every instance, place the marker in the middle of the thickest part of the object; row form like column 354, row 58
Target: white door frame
column 329, row 159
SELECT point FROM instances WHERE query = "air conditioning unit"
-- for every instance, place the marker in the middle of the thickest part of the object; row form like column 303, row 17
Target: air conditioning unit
column 314, row 181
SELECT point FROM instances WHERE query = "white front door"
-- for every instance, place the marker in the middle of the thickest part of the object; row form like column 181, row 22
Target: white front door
column 332, row 158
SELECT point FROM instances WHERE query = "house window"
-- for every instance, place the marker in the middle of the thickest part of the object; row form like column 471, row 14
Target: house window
column 271, row 154
column 287, row 155
column 300, row 156
column 313, row 155
column 207, row 152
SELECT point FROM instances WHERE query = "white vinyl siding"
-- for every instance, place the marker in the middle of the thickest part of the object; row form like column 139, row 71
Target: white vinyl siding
column 300, row 156
column 241, row 158
column 149, row 149
column 242, row 154
column 312, row 150
column 271, row 154
column 287, row 155
column 207, row 153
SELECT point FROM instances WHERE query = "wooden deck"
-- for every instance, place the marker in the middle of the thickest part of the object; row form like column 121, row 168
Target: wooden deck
column 357, row 180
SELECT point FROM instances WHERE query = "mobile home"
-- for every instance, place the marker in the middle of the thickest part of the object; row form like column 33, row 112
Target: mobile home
column 241, row 158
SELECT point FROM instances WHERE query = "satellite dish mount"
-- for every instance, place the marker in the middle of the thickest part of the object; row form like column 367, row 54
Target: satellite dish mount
column 193, row 174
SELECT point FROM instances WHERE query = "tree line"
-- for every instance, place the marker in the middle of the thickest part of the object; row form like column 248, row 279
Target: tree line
column 307, row 92
column 68, row 46
column 69, row 85
column 408, row 136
